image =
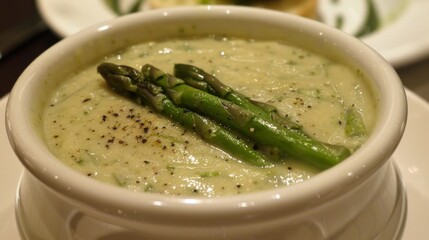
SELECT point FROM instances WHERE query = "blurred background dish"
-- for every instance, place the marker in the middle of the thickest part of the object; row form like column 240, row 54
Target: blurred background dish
column 379, row 23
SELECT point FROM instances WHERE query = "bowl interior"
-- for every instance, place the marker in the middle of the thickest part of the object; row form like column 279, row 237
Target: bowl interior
column 47, row 71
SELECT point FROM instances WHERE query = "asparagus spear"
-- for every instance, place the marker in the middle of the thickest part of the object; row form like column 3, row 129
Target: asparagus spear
column 202, row 80
column 129, row 79
column 258, row 129
column 355, row 124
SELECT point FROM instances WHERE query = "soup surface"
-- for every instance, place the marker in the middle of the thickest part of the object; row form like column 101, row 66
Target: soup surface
column 113, row 139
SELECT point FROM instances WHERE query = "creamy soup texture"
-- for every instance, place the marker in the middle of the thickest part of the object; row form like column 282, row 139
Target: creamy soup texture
column 113, row 139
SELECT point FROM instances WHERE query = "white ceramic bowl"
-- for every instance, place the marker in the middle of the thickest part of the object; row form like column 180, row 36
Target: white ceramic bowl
column 360, row 198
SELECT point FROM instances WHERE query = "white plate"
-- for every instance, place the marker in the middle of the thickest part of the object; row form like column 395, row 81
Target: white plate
column 402, row 40
column 411, row 157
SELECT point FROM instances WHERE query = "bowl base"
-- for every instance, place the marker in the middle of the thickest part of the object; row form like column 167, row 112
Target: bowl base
column 50, row 218
column 394, row 224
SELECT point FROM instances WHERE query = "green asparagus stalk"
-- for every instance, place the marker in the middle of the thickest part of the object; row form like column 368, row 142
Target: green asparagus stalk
column 198, row 78
column 260, row 130
column 355, row 124
column 129, row 79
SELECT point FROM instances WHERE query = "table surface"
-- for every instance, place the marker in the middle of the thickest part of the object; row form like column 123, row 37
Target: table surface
column 415, row 76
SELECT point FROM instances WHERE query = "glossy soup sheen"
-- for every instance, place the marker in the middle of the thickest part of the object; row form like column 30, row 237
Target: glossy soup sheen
column 108, row 137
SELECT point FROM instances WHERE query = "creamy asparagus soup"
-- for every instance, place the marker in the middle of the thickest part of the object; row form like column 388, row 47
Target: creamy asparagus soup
column 113, row 138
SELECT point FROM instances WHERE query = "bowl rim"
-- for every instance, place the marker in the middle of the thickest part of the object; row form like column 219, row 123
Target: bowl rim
column 362, row 164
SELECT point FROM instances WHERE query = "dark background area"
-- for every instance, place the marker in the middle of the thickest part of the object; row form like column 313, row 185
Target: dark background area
column 13, row 63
